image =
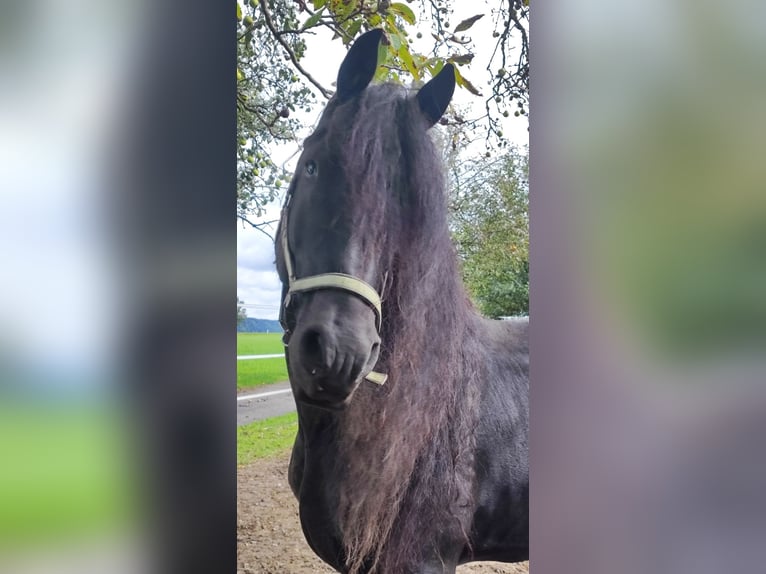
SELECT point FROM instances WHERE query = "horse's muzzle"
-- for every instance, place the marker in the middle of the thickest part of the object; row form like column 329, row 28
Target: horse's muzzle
column 331, row 353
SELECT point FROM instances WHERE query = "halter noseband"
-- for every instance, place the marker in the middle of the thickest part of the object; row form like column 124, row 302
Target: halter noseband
column 349, row 283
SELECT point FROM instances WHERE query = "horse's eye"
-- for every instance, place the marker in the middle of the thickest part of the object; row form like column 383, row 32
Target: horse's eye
column 311, row 167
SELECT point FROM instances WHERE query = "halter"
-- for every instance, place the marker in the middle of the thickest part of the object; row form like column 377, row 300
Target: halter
column 341, row 281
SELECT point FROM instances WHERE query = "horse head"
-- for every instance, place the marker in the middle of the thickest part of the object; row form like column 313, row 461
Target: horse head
column 333, row 247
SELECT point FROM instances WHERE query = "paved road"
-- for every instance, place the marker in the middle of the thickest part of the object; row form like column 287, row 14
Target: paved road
column 264, row 402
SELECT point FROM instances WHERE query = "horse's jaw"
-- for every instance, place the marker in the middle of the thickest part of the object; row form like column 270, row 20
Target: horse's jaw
column 321, row 398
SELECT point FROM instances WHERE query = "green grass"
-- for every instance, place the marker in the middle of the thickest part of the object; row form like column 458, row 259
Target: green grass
column 265, row 438
column 260, row 372
column 62, row 473
column 259, row 343
column 256, row 372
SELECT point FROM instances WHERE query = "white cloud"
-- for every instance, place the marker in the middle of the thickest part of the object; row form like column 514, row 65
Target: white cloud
column 254, row 250
column 258, row 284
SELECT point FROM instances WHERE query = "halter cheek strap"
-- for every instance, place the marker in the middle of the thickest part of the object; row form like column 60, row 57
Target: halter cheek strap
column 340, row 281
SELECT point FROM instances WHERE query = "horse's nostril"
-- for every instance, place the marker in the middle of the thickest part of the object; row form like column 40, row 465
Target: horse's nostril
column 374, row 349
column 313, row 343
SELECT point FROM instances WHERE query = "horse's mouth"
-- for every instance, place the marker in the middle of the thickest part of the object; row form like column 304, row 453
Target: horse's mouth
column 323, row 399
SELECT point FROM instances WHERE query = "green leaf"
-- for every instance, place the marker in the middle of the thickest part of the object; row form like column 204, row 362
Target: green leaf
column 394, row 38
column 382, row 54
column 319, row 4
column 464, row 83
column 239, row 12
column 467, row 23
column 240, row 75
column 406, row 58
column 344, row 9
column 404, row 11
column 353, row 29
column 313, row 19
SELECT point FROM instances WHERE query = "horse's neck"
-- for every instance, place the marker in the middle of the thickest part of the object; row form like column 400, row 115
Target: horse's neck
column 449, row 318
column 316, row 423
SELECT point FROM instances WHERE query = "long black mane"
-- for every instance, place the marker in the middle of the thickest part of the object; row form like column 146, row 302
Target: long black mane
column 409, row 444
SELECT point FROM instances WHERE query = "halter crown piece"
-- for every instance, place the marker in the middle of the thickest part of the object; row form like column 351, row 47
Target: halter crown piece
column 349, row 283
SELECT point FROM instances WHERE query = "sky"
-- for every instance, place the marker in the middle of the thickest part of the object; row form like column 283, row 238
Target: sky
column 257, row 282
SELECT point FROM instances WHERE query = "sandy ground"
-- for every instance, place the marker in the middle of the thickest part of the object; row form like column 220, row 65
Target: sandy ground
column 269, row 537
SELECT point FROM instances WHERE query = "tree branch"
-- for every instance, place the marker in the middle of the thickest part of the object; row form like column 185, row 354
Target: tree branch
column 270, row 25
column 258, row 226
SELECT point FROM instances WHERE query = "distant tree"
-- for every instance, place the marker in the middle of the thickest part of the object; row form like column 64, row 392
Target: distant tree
column 490, row 224
column 272, row 82
column 241, row 312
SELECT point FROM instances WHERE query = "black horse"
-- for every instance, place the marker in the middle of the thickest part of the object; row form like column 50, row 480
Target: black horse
column 427, row 469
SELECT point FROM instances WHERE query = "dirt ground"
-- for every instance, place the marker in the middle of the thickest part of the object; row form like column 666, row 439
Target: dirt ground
column 269, row 536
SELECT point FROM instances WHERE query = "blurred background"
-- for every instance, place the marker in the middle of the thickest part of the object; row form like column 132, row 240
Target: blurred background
column 117, row 200
column 648, row 286
column 67, row 482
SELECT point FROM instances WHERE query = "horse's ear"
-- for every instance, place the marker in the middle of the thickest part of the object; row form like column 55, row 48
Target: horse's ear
column 359, row 65
column 434, row 97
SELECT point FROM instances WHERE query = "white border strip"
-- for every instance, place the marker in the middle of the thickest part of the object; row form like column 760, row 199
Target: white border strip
column 261, row 395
